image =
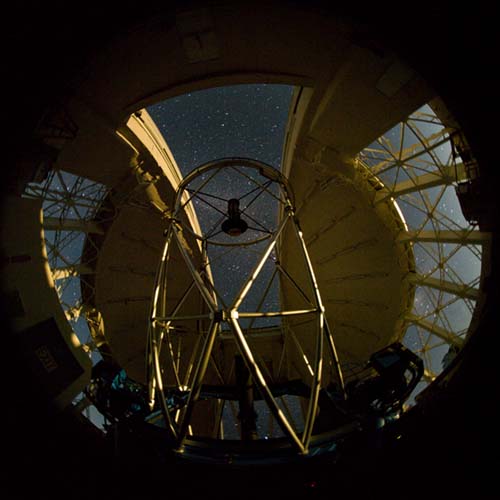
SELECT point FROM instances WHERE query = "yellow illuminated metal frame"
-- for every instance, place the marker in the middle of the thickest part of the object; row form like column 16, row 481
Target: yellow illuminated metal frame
column 417, row 168
column 161, row 320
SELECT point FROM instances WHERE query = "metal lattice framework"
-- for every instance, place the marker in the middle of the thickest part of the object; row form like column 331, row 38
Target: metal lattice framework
column 414, row 164
column 217, row 311
column 419, row 169
column 70, row 204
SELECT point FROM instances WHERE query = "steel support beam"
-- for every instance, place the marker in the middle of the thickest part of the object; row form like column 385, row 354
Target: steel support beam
column 324, row 329
column 261, row 383
column 251, row 280
column 199, row 374
column 158, row 385
column 55, row 224
column 446, row 175
column 438, row 331
column 460, row 290
column 247, row 414
column 202, row 287
column 60, row 273
column 463, row 237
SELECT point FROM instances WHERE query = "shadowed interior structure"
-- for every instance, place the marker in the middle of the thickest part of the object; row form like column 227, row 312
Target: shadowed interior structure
column 354, row 81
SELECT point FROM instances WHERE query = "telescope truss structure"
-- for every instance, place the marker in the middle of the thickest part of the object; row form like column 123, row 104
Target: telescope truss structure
column 224, row 318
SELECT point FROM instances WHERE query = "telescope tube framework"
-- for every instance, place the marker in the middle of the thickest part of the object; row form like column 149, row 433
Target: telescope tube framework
column 225, row 319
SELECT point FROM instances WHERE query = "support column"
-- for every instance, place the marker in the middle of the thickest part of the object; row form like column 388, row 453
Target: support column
column 247, row 415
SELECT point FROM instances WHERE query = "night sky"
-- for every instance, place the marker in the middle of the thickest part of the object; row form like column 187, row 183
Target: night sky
column 233, row 121
column 241, row 120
